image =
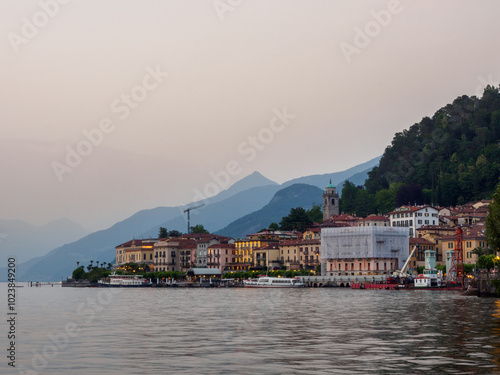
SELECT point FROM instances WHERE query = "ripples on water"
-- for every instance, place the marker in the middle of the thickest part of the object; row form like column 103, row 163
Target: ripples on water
column 260, row 331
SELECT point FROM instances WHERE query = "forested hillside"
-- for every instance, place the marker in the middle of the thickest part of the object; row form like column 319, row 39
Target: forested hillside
column 449, row 159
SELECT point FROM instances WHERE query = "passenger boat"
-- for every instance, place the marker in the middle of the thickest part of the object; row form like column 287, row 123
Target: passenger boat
column 124, row 281
column 273, row 282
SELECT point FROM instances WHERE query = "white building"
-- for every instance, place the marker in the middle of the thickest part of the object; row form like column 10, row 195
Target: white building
column 413, row 217
column 363, row 250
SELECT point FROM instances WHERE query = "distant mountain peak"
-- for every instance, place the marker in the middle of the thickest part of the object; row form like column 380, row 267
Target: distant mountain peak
column 255, row 179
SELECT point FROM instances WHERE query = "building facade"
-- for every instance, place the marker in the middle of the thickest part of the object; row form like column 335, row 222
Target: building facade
column 220, row 255
column 167, row 254
column 135, row 251
column 363, row 250
column 413, row 217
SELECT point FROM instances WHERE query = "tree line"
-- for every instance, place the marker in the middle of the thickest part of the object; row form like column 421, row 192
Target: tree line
column 449, row 159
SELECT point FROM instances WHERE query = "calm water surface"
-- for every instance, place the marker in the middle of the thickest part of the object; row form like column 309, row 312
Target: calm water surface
column 253, row 331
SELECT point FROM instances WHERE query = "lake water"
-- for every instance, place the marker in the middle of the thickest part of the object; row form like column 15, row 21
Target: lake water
column 75, row 331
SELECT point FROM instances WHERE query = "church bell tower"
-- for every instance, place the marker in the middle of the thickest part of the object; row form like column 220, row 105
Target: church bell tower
column 330, row 202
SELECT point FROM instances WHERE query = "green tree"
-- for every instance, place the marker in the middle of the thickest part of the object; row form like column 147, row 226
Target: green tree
column 315, row 214
column 297, row 219
column 364, row 203
column 198, row 229
column 78, row 273
column 486, row 262
column 273, row 226
column 163, row 233
column 493, row 222
column 348, row 200
column 174, row 233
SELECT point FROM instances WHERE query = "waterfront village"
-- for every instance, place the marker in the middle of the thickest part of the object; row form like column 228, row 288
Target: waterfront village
column 341, row 245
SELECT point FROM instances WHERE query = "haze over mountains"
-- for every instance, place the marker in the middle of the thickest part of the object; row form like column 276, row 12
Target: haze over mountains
column 254, row 201
column 27, row 241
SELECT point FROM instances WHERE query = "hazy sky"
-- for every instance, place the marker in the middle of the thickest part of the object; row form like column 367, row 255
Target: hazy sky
column 109, row 107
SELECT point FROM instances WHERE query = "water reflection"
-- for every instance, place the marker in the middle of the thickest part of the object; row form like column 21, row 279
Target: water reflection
column 496, row 332
column 252, row 331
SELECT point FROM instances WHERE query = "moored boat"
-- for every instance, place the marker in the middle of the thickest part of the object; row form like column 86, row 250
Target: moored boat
column 124, row 281
column 273, row 282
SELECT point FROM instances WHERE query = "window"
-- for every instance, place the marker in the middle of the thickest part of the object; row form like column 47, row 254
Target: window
column 450, row 245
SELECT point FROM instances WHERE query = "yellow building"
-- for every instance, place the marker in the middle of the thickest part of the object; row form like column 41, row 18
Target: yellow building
column 290, row 254
column 135, row 251
column 267, row 256
column 244, row 252
column 469, row 243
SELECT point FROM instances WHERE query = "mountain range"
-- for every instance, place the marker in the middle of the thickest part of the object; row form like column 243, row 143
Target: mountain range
column 247, row 206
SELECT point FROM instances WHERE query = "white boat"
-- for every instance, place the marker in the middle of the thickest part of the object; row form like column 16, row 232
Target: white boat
column 124, row 281
column 273, row 282
column 431, row 278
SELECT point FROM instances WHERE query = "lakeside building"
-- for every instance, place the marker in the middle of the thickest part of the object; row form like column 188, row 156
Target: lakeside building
column 267, row 257
column 136, row 251
column 203, row 242
column 310, row 254
column 341, row 220
column 278, row 235
column 221, row 254
column 374, row 221
column 313, row 233
column 434, row 233
column 473, row 237
column 363, row 250
column 418, row 258
column 413, row 217
column 244, row 253
column 174, row 254
column 290, row 254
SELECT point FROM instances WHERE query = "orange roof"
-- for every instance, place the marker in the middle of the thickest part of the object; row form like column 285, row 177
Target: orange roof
column 375, row 217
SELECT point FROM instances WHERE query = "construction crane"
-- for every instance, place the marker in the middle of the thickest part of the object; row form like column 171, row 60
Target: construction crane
column 402, row 272
column 188, row 210
column 456, row 271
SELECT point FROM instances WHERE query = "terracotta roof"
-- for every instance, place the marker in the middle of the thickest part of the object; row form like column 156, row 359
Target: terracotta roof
column 267, row 247
column 421, row 241
column 435, row 227
column 375, row 217
column 199, row 237
column 410, row 209
column 290, row 243
column 344, row 217
column 134, row 242
column 179, row 243
column 314, row 230
column 222, row 246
